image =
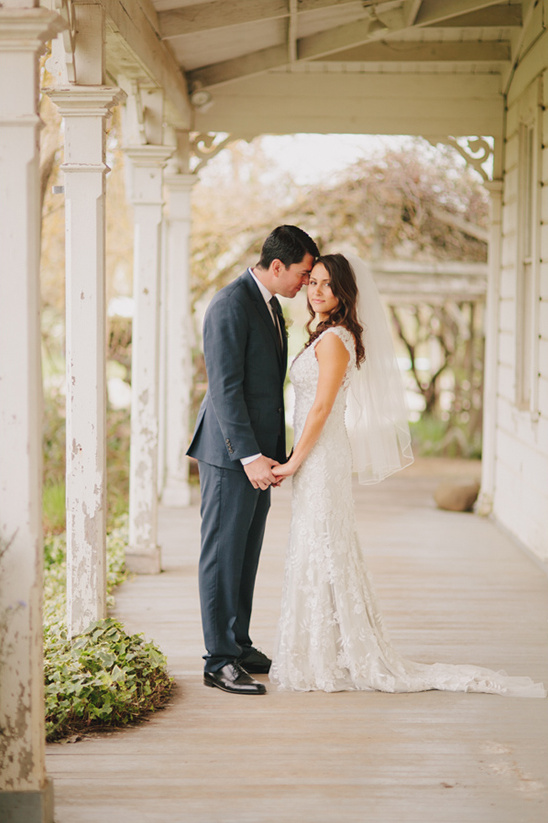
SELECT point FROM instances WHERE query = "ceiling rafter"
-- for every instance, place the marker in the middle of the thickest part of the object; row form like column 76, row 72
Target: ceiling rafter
column 431, row 11
column 500, row 16
column 332, row 41
column 407, row 51
column 220, row 14
column 292, row 31
column 411, row 9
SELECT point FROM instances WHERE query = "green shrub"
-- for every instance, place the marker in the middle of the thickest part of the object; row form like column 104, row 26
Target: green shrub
column 54, row 508
column 117, row 444
column 104, row 677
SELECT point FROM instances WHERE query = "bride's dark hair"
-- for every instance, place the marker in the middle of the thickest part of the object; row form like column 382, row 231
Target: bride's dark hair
column 344, row 287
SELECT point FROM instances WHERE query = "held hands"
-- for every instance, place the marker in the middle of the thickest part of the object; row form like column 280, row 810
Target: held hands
column 260, row 473
column 281, row 471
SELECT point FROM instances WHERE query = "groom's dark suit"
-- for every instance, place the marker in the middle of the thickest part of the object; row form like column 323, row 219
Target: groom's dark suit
column 242, row 415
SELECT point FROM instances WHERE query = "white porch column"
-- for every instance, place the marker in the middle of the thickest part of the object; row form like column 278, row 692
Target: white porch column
column 26, row 795
column 484, row 506
column 85, row 105
column 147, row 162
column 85, row 109
column 176, row 491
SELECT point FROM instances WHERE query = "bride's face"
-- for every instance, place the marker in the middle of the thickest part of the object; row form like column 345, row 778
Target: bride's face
column 320, row 296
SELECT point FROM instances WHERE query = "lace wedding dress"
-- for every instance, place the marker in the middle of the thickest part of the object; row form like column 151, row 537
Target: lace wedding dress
column 331, row 635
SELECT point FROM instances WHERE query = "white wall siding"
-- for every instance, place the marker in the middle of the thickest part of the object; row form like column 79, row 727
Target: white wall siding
column 521, row 467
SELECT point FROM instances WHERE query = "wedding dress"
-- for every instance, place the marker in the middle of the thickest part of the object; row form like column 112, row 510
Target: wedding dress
column 331, row 635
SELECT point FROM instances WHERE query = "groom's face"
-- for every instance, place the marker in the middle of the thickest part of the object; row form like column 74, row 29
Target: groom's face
column 290, row 280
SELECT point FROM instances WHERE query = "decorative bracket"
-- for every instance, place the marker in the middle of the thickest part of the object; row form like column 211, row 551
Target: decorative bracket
column 205, row 146
column 477, row 152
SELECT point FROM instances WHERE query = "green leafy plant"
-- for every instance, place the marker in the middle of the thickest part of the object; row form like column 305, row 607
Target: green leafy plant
column 104, row 678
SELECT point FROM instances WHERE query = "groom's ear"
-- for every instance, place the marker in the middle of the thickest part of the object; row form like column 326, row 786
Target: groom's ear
column 277, row 267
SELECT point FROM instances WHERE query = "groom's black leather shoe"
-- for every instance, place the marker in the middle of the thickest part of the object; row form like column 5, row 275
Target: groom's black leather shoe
column 232, row 678
column 255, row 661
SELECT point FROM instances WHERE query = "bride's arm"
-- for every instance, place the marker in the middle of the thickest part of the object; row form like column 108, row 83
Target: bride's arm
column 332, row 356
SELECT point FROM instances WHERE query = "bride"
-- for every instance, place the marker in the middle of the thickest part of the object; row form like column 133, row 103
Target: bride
column 349, row 413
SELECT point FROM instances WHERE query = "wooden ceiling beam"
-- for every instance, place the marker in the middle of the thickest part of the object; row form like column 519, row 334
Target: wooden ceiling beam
column 136, row 50
column 292, row 31
column 433, row 12
column 219, row 14
column 411, row 9
column 501, row 16
column 406, row 51
column 326, row 44
column 256, row 62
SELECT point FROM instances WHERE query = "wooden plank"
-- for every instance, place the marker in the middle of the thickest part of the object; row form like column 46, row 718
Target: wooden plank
column 391, row 51
column 533, row 64
column 534, row 29
column 511, row 148
column 410, row 11
column 544, row 158
column 509, row 421
column 362, row 103
column 505, row 383
column 328, row 42
column 507, row 315
column 509, row 219
column 519, row 505
column 452, row 587
column 544, row 242
column 543, row 362
column 497, row 16
column 543, row 278
column 511, row 185
column 432, row 11
column 508, row 274
column 334, row 39
column 512, row 121
column 225, row 71
column 506, row 347
column 139, row 49
column 255, row 116
column 218, row 14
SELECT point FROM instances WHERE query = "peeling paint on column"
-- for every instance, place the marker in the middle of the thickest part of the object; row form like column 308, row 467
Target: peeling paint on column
column 146, row 164
column 85, row 110
column 179, row 338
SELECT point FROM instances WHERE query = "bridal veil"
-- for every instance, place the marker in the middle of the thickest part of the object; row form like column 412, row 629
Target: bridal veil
column 376, row 412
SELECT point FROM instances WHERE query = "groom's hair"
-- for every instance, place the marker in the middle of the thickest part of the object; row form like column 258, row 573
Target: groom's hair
column 288, row 244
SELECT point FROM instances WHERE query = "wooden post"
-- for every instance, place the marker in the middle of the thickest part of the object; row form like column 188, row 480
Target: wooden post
column 26, row 796
column 85, row 106
column 147, row 162
column 176, row 491
column 484, row 505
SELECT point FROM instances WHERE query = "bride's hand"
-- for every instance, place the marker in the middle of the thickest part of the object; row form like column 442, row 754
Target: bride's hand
column 284, row 470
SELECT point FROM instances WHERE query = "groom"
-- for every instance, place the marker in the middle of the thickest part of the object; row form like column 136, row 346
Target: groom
column 239, row 437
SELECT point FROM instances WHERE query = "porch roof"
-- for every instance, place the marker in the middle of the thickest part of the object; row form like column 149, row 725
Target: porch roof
column 328, row 66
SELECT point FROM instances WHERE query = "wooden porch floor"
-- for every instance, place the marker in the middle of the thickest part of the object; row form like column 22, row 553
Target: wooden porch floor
column 453, row 589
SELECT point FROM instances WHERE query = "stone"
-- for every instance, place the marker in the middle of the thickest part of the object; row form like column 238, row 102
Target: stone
column 457, row 496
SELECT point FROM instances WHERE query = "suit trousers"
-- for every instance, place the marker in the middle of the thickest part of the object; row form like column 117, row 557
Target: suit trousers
column 233, row 524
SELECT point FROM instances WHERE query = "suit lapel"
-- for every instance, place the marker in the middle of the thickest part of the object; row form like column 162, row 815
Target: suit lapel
column 266, row 316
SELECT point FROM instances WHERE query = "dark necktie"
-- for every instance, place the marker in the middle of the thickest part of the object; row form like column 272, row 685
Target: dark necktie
column 278, row 317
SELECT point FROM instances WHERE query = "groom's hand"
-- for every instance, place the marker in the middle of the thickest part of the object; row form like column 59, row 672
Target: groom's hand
column 259, row 472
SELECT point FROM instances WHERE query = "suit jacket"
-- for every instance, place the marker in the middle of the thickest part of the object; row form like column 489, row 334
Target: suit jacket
column 243, row 411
